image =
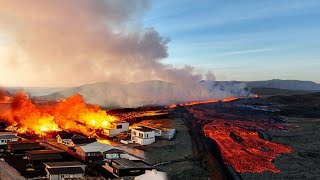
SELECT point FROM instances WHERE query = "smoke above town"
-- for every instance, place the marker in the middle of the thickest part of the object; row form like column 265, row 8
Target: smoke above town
column 75, row 42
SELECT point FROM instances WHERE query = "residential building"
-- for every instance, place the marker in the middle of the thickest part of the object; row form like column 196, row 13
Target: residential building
column 144, row 135
column 93, row 151
column 152, row 174
column 37, row 157
column 117, row 128
column 20, row 147
column 66, row 137
column 62, row 170
column 7, row 137
column 127, row 168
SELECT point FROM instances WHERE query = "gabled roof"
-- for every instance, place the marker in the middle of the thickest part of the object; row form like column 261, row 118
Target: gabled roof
column 96, row 147
column 68, row 135
column 44, row 157
column 113, row 150
column 65, row 170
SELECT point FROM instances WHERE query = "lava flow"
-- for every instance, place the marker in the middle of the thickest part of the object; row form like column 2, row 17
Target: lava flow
column 238, row 138
column 70, row 114
column 202, row 102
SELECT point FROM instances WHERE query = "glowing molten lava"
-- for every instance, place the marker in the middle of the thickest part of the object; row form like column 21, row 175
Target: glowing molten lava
column 71, row 114
column 239, row 141
column 202, row 102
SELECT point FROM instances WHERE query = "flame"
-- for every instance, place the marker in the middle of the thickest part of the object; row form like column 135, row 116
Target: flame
column 202, row 102
column 71, row 114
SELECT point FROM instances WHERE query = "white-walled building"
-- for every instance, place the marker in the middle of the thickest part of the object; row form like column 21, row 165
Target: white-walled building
column 144, row 135
column 60, row 170
column 152, row 174
column 117, row 128
column 7, row 137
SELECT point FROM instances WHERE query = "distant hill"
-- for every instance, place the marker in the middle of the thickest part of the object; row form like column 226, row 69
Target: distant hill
column 163, row 93
column 279, row 84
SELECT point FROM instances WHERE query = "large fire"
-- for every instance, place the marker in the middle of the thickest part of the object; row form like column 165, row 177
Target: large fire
column 71, row 114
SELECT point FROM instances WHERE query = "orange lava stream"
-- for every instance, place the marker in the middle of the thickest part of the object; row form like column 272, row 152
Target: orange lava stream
column 202, row 102
column 241, row 147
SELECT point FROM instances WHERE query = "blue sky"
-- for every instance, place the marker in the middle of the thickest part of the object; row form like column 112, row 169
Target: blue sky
column 242, row 40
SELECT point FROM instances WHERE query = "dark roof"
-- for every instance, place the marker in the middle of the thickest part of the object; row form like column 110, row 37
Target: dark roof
column 114, row 150
column 127, row 164
column 65, row 170
column 46, row 151
column 84, row 140
column 24, row 145
column 144, row 129
column 68, row 135
column 66, row 163
column 11, row 136
column 39, row 157
column 85, row 178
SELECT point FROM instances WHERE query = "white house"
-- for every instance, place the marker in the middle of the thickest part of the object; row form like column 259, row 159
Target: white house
column 93, row 151
column 152, row 174
column 60, row 170
column 117, row 128
column 7, row 137
column 144, row 135
column 65, row 138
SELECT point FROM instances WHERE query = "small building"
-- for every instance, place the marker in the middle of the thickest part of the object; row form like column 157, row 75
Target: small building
column 117, row 128
column 7, row 137
column 92, row 152
column 61, row 170
column 152, row 174
column 37, row 157
column 144, row 135
column 66, row 137
column 127, row 168
column 20, row 147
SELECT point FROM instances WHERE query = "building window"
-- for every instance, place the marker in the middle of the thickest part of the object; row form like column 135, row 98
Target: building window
column 119, row 126
column 2, row 141
column 147, row 135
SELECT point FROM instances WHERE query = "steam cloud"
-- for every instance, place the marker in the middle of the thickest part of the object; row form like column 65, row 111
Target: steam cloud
column 74, row 42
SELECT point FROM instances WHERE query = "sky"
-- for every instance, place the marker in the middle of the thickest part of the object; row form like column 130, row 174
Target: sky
column 71, row 43
column 242, row 40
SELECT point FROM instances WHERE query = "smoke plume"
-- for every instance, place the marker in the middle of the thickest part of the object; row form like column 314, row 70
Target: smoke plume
column 74, row 42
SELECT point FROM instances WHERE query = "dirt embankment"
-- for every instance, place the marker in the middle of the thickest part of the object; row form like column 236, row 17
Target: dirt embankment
column 205, row 150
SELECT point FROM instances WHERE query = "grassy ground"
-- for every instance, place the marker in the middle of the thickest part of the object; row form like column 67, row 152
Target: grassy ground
column 176, row 154
column 303, row 162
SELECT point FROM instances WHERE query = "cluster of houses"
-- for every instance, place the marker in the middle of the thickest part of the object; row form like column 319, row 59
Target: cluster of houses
column 70, row 155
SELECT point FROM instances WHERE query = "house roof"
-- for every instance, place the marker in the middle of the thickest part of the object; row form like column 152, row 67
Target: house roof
column 7, row 133
column 24, row 145
column 65, row 170
column 46, row 151
column 96, row 147
column 68, row 135
column 39, row 157
column 64, row 164
column 112, row 151
column 144, row 129
column 128, row 164
column 84, row 141
column 8, row 136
